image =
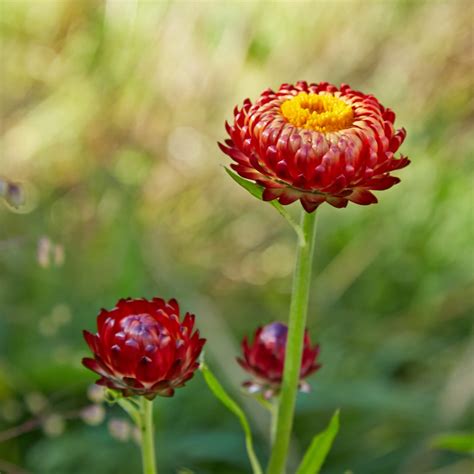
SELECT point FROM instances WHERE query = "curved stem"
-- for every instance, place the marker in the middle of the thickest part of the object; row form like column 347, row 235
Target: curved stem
column 132, row 410
column 147, row 438
column 294, row 345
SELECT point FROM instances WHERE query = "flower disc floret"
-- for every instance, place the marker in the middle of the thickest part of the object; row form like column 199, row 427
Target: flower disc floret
column 318, row 112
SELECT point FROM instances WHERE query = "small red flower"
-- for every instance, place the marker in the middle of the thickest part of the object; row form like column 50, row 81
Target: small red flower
column 264, row 359
column 316, row 143
column 142, row 347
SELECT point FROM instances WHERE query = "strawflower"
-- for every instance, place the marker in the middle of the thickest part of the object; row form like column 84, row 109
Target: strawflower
column 142, row 347
column 264, row 359
column 316, row 143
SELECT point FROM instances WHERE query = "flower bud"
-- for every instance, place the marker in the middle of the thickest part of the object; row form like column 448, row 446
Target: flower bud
column 142, row 347
column 264, row 359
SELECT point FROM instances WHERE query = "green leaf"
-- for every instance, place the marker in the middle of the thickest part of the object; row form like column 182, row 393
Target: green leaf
column 319, row 448
column 222, row 395
column 253, row 188
column 457, row 442
column 257, row 191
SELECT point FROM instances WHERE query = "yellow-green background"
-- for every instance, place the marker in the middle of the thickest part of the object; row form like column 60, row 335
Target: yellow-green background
column 110, row 116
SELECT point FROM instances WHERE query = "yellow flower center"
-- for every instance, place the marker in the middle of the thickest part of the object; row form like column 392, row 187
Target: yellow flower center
column 322, row 113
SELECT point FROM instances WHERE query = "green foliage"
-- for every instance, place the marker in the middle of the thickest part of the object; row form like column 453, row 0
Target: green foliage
column 316, row 454
column 457, row 442
column 253, row 188
column 82, row 451
column 110, row 116
column 222, row 395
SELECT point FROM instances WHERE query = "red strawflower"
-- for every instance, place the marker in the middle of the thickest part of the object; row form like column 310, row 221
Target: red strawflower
column 264, row 359
column 316, row 143
column 142, row 347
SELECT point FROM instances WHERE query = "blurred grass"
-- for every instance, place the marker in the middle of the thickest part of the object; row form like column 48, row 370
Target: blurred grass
column 110, row 116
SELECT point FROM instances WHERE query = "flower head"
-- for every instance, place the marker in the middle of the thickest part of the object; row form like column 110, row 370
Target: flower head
column 264, row 359
column 316, row 143
column 142, row 347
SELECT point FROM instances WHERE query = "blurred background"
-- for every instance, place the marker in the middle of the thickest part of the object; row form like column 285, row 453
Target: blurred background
column 113, row 186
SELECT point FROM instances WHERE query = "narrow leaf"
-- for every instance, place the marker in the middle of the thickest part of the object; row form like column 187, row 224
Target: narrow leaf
column 319, row 448
column 222, row 395
column 253, row 188
column 257, row 191
column 456, row 442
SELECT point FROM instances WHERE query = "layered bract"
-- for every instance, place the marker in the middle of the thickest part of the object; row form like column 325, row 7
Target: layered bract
column 142, row 348
column 264, row 359
column 316, row 143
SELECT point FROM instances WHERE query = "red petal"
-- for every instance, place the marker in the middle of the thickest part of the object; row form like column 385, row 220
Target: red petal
column 363, row 197
column 271, row 193
column 338, row 202
column 385, row 182
column 310, row 206
column 92, row 341
column 95, row 366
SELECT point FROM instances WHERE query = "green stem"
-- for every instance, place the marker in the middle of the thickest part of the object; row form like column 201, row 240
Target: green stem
column 147, row 438
column 294, row 345
column 273, row 420
column 131, row 409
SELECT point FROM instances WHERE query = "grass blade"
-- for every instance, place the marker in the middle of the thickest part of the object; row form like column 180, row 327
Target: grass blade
column 222, row 395
column 319, row 448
